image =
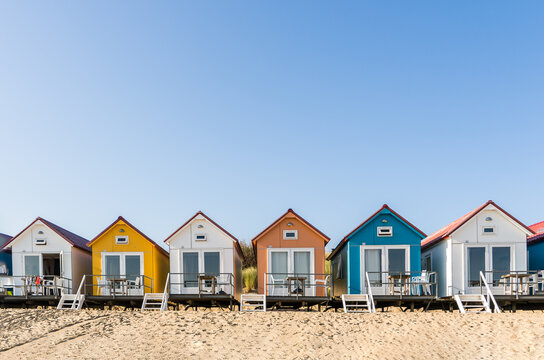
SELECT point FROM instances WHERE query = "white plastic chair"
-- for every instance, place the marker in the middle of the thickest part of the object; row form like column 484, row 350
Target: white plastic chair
column 279, row 285
column 323, row 283
column 421, row 282
column 102, row 285
column 134, row 287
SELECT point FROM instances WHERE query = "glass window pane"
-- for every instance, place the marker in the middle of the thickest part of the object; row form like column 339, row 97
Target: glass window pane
column 190, row 269
column 302, row 262
column 211, row 263
column 373, row 266
column 397, row 261
column 501, row 263
column 113, row 265
column 132, row 266
column 279, row 267
column 32, row 265
column 476, row 263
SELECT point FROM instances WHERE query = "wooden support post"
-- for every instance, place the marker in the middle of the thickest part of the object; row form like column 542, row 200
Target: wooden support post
column 514, row 306
column 412, row 306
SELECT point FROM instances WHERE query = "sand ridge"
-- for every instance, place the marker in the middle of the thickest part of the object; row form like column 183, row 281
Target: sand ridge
column 97, row 334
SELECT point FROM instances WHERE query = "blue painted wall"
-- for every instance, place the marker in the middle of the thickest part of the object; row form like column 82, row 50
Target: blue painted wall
column 536, row 256
column 5, row 256
column 403, row 234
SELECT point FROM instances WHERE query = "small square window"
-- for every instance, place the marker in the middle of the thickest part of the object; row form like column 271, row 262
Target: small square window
column 385, row 231
column 121, row 240
column 200, row 237
column 488, row 230
column 41, row 241
column 290, row 234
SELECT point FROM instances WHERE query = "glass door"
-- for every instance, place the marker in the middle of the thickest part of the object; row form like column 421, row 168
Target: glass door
column 396, row 259
column 212, row 267
column 132, row 267
column 373, row 266
column 501, row 263
column 113, row 266
column 32, row 265
column 190, row 270
column 476, row 263
column 302, row 267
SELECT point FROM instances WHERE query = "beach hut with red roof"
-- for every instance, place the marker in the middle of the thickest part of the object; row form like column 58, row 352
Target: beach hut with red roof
column 535, row 247
column 205, row 260
column 290, row 256
column 47, row 259
column 487, row 239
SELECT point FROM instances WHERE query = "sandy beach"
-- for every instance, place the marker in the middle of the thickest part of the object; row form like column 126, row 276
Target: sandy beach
column 92, row 334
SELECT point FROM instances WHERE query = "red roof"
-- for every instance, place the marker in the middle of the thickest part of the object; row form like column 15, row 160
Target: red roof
column 290, row 211
column 239, row 248
column 120, row 218
column 385, row 206
column 449, row 229
column 73, row 239
column 538, row 227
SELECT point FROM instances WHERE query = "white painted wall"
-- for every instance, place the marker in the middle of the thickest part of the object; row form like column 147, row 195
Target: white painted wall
column 451, row 255
column 74, row 260
column 216, row 240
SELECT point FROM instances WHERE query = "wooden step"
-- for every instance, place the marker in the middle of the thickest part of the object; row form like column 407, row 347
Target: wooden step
column 253, row 302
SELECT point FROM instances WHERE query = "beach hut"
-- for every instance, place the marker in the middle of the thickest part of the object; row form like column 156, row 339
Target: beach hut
column 535, row 247
column 291, row 258
column 47, row 259
column 488, row 240
column 385, row 245
column 126, row 262
column 5, row 256
column 205, row 259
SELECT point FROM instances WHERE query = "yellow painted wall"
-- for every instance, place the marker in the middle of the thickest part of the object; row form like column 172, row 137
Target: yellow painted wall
column 156, row 263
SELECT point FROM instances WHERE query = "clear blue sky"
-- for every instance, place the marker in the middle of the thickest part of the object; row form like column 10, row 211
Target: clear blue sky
column 154, row 110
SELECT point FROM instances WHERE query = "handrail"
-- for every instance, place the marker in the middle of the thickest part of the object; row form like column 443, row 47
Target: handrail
column 166, row 291
column 370, row 296
column 489, row 294
column 81, row 285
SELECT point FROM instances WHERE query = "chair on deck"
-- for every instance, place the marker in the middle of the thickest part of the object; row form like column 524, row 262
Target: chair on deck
column 102, row 285
column 324, row 283
column 421, row 282
column 134, row 286
column 279, row 286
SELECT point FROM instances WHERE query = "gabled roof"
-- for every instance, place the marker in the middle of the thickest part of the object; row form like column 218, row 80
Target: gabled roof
column 538, row 228
column 300, row 218
column 449, row 229
column 120, row 218
column 214, row 223
column 73, row 239
column 384, row 207
column 3, row 240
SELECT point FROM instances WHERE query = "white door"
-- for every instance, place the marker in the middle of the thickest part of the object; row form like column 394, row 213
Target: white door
column 381, row 263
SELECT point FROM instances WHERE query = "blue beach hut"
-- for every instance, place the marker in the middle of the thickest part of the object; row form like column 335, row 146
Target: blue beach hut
column 385, row 243
column 5, row 256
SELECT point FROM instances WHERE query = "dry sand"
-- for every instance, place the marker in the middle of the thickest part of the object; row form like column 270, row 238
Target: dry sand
column 93, row 334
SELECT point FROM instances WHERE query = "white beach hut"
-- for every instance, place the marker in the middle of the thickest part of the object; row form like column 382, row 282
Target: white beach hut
column 488, row 240
column 47, row 259
column 204, row 259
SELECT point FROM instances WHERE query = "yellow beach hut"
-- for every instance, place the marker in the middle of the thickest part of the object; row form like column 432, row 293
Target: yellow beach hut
column 127, row 262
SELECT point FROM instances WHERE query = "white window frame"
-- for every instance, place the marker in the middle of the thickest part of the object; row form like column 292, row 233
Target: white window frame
column 291, row 263
column 290, row 238
column 488, row 233
column 121, row 237
column 378, row 228
column 38, row 243
column 385, row 262
column 40, row 263
column 488, row 264
column 188, row 290
column 200, row 234
column 122, row 261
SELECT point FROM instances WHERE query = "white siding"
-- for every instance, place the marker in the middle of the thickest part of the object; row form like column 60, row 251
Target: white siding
column 439, row 265
column 25, row 245
column 216, row 240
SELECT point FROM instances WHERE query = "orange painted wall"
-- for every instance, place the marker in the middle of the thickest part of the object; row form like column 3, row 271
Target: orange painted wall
column 307, row 238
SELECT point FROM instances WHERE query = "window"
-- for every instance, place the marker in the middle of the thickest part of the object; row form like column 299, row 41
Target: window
column 212, row 263
column 488, row 230
column 427, row 263
column 190, row 269
column 41, row 241
column 200, row 237
column 32, row 265
column 385, row 231
column 373, row 266
column 396, row 259
column 121, row 240
column 500, row 259
column 290, row 234
column 476, row 263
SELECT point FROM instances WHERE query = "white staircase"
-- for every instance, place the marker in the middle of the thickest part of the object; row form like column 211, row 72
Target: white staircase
column 360, row 302
column 253, row 302
column 72, row 301
column 478, row 302
column 472, row 303
column 157, row 301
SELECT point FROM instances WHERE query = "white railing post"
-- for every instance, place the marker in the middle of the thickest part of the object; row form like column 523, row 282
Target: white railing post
column 490, row 295
column 369, row 292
